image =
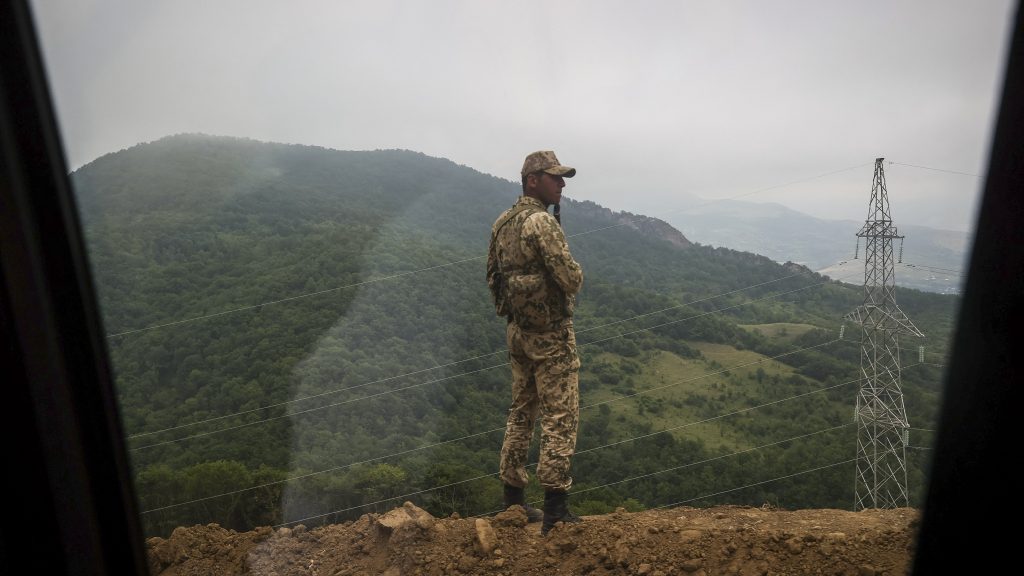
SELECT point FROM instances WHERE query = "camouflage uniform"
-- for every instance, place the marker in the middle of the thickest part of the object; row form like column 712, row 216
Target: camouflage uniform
column 542, row 278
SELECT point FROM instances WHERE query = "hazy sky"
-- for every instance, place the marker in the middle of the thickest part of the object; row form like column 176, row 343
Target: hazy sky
column 654, row 102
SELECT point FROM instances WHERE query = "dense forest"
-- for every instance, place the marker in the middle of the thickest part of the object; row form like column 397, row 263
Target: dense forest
column 305, row 335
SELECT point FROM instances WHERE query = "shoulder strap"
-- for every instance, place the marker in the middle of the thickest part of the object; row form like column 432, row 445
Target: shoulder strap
column 497, row 288
column 512, row 214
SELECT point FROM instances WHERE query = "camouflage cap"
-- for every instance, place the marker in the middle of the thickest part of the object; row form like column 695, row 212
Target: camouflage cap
column 545, row 160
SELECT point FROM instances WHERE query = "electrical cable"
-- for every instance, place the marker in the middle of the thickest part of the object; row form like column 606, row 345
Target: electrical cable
column 291, row 298
column 708, row 375
column 453, row 363
column 265, row 420
column 817, row 469
column 932, row 268
column 493, row 474
column 409, row 272
column 690, row 464
column 937, row 169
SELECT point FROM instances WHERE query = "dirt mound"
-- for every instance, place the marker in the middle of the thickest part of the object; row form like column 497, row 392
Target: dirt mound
column 739, row 541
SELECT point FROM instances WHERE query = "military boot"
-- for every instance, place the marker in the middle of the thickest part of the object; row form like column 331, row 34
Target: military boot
column 516, row 495
column 556, row 509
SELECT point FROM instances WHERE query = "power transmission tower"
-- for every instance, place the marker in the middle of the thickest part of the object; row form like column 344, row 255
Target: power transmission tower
column 882, row 427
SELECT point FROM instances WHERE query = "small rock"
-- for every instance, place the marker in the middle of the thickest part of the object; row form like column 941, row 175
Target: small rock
column 690, row 535
column 467, row 562
column 643, row 569
column 513, row 516
column 691, row 565
column 409, row 513
column 485, row 537
column 620, row 554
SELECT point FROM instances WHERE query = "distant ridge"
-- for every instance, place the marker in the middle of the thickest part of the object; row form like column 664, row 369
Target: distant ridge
column 934, row 258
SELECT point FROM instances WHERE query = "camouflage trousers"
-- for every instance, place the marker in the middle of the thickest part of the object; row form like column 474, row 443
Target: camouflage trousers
column 545, row 384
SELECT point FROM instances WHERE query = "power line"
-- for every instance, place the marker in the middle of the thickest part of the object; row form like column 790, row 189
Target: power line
column 719, row 417
column 819, row 468
column 949, row 271
column 329, row 392
column 409, row 272
column 691, row 464
column 335, row 404
column 493, row 474
column 350, row 508
column 497, row 352
column 689, row 303
column 915, row 351
column 709, row 460
column 273, row 418
column 708, row 375
column 413, row 373
column 936, row 169
column 534, row 464
column 734, row 367
column 319, row 472
column 706, row 313
column 291, row 298
column 438, row 266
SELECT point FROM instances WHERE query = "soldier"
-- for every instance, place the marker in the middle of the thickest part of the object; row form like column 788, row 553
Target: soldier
column 534, row 281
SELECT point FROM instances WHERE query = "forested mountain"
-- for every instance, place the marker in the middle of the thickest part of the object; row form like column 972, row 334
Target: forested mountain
column 304, row 334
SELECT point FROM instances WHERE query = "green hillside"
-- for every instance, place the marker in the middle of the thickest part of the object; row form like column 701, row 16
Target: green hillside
column 305, row 334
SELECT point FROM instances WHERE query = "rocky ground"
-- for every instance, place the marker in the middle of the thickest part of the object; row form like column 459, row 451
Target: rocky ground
column 731, row 540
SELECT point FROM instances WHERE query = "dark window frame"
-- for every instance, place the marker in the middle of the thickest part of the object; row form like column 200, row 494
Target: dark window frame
column 71, row 504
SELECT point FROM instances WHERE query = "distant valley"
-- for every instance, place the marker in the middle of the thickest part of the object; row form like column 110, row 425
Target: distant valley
column 932, row 260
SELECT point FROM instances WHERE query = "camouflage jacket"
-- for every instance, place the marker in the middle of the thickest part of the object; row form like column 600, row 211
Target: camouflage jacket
column 532, row 276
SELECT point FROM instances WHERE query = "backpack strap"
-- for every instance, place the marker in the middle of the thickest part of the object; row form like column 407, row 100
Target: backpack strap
column 508, row 217
column 501, row 306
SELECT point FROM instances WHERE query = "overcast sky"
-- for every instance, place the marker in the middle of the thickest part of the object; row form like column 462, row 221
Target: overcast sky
column 654, row 102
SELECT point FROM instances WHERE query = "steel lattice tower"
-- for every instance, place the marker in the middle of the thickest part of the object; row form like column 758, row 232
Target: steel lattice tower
column 882, row 427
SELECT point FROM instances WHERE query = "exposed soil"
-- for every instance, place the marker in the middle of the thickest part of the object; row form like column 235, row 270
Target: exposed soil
column 741, row 541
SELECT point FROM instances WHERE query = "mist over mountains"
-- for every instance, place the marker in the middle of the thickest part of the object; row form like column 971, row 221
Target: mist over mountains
column 933, row 260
